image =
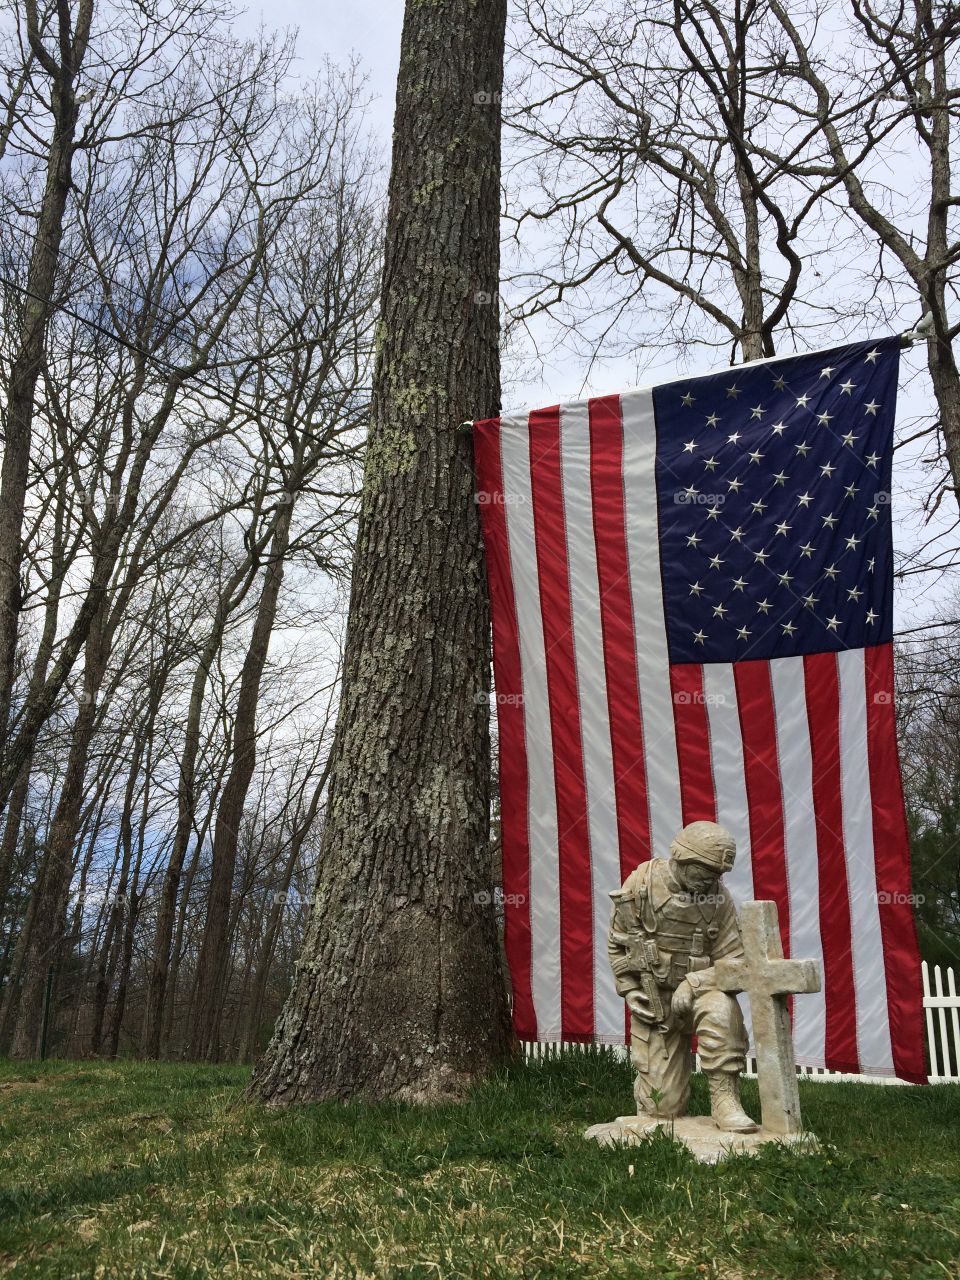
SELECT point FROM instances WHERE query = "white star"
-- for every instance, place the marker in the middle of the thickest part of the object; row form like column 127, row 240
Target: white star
column 827, row 470
column 739, row 583
column 699, row 636
column 764, row 606
column 779, row 428
column 696, row 589
column 872, row 459
column 804, row 499
column 810, row 600
column 715, row 562
column 806, row 549
column 831, row 571
column 825, row 373
column 833, row 623
column 742, row 633
column 687, row 399
column 779, row 383
column 802, row 402
column 785, row 579
column 733, row 391
column 761, row 556
column 788, row 628
column 824, row 418
column 848, row 438
column 871, row 356
column 872, row 408
column 871, row 616
column 783, row 528
column 755, row 456
column 759, row 506
column 711, row 464
column 689, row 446
column 735, row 484
column 757, row 412
column 712, row 420
column 852, row 542
column 693, row 539
column 829, row 520
column 737, row 534
column 847, row 387
column 854, row 593
column 803, row 449
column 732, row 439
column 691, row 492
column 712, row 513
column 851, row 490
column 873, row 513
column 719, row 610
column 781, row 477
column 871, row 564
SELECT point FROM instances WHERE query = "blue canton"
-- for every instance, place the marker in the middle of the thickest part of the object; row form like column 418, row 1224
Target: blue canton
column 773, row 487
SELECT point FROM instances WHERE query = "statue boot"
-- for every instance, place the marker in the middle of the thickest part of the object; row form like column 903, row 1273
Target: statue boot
column 725, row 1106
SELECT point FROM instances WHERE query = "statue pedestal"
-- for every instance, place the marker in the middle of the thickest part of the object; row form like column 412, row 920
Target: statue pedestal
column 698, row 1134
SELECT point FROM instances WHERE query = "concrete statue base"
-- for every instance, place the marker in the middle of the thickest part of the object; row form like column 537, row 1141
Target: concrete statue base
column 698, row 1134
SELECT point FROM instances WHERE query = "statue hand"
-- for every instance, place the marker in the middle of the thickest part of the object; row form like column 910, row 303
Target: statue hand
column 682, row 1001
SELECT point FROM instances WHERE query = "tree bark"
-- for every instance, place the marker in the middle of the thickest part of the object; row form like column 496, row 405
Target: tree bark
column 399, row 992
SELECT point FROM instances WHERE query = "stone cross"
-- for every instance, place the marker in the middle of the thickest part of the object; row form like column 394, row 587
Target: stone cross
column 768, row 979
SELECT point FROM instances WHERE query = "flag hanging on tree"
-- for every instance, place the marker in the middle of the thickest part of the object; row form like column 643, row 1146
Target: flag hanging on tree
column 692, row 612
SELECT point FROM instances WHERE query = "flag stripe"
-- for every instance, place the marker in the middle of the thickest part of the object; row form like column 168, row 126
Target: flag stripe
column 693, row 743
column 514, row 841
column 823, row 714
column 800, row 837
column 726, row 746
column 873, row 1026
column 619, row 643
column 892, row 852
column 585, row 608
column 761, row 768
column 540, row 799
column 576, row 904
column 653, row 664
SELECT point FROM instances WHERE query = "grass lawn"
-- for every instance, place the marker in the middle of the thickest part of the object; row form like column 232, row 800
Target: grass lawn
column 133, row 1169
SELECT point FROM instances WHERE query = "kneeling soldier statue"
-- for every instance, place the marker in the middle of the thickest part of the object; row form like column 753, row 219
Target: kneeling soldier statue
column 671, row 920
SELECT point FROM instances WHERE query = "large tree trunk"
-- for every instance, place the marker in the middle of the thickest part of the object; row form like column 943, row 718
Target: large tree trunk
column 399, row 992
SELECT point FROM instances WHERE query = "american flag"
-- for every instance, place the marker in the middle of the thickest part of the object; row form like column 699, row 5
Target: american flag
column 692, row 611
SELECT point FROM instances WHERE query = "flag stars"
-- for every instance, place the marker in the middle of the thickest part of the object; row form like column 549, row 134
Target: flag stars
column 755, row 456
column 824, row 419
column 871, row 408
column 700, row 637
column 848, row 438
column 733, row 391
column 734, row 485
column 847, row 388
column 712, row 420
column 872, row 459
column 757, row 412
column 831, row 571
column 687, row 399
column 759, row 506
column 733, row 437
column 806, row 550
column 736, row 535
column 825, row 373
column 788, row 628
column 833, row 623
column 739, row 584
column 810, row 600
column 715, row 562
column 802, row 401
column 873, row 513
column 764, row 606
column 871, row 617
column 871, row 564
column 785, row 578
column 713, row 513
column 696, row 589
column 780, row 477
column 804, row 499
column 719, row 610
column 779, row 428
column 690, row 493
column 779, row 383
column 743, row 633
column 690, row 446
column 783, row 529
column 693, row 539
column 827, row 470
column 711, row 463
column 854, row 593
column 829, row 520
column 872, row 356
column 761, row 557
column 851, row 490
column 852, row 542
column 803, row 449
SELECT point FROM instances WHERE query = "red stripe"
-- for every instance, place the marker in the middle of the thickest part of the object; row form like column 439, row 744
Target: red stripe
column 822, row 688
column 697, row 796
column 761, row 767
column 513, row 755
column 619, row 639
column 576, row 899
column 901, row 955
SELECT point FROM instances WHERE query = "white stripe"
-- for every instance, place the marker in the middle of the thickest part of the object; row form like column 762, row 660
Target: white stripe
column 541, row 792
column 653, row 659
column 869, row 978
column 800, row 837
column 729, row 781
column 592, row 696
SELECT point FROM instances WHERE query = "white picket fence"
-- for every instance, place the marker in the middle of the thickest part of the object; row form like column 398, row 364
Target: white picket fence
column 941, row 1005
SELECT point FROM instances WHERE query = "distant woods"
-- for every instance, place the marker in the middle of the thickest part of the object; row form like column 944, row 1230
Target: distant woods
column 189, row 251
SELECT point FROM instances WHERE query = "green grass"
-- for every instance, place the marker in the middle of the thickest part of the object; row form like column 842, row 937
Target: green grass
column 131, row 1169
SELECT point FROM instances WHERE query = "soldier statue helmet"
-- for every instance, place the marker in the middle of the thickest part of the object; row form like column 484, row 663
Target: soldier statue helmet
column 672, row 919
